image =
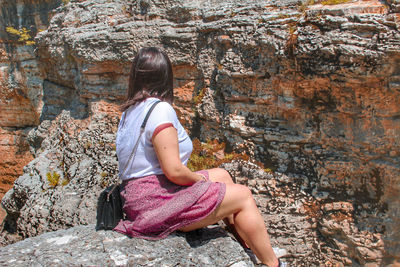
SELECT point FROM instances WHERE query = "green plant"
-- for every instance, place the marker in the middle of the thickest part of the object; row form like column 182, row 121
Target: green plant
column 334, row 2
column 53, row 179
column 304, row 6
column 197, row 99
column 65, row 182
column 268, row 170
column 210, row 155
column 23, row 35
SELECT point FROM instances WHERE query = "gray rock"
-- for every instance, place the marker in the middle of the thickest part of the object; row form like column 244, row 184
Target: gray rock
column 80, row 159
column 83, row 246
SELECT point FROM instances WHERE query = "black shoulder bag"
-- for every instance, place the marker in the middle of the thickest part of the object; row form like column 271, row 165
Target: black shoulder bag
column 109, row 205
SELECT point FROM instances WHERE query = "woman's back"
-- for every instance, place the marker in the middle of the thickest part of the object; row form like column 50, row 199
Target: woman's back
column 145, row 161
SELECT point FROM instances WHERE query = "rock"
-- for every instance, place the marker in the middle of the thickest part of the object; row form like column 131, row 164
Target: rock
column 20, row 85
column 310, row 91
column 59, row 188
column 83, row 246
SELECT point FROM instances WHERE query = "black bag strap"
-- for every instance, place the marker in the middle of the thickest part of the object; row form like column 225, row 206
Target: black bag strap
column 148, row 115
column 142, row 127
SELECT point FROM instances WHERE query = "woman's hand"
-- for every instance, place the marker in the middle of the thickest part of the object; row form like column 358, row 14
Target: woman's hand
column 203, row 177
column 167, row 149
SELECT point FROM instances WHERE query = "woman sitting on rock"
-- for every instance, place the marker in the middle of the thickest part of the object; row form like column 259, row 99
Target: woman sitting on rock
column 160, row 194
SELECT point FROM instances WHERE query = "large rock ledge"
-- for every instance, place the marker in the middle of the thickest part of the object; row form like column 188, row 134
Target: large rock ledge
column 83, row 246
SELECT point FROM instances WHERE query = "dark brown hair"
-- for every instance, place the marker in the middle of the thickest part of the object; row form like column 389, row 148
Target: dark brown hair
column 150, row 76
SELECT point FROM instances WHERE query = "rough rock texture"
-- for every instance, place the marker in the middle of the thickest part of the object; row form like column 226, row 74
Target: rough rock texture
column 83, row 157
column 20, row 84
column 83, row 246
column 83, row 154
column 312, row 91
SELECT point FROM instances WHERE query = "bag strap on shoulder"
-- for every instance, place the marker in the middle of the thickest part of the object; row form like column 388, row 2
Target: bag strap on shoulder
column 148, row 114
column 142, row 127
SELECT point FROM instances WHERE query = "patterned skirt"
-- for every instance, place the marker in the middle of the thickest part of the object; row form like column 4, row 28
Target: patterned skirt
column 155, row 207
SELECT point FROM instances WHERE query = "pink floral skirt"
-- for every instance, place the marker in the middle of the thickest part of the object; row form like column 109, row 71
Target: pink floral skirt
column 155, row 207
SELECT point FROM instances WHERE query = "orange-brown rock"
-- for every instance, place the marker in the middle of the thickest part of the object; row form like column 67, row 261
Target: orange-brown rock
column 15, row 154
column 20, row 83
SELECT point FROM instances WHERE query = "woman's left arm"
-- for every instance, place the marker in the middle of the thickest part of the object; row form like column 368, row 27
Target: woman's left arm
column 166, row 145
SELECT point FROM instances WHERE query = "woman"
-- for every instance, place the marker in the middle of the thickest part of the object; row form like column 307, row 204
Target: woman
column 160, row 194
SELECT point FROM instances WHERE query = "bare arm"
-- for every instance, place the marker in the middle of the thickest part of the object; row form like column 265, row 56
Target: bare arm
column 167, row 149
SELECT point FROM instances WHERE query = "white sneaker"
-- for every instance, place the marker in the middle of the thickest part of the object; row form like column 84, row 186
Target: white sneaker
column 280, row 252
column 283, row 264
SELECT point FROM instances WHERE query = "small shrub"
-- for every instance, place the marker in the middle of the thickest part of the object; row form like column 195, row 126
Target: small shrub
column 334, row 2
column 23, row 35
column 53, row 179
column 198, row 98
column 204, row 155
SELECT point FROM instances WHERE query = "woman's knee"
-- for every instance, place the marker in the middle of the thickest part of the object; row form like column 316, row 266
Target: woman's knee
column 237, row 198
column 246, row 192
column 239, row 195
column 220, row 175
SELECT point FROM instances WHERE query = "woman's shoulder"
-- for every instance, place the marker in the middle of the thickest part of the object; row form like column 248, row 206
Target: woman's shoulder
column 147, row 103
column 165, row 106
column 162, row 106
column 162, row 112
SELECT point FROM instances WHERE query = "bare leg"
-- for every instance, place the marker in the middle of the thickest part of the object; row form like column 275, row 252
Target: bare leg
column 239, row 202
column 222, row 176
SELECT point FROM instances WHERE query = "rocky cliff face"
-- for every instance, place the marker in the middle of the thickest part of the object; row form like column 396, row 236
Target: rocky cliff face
column 310, row 90
column 21, row 81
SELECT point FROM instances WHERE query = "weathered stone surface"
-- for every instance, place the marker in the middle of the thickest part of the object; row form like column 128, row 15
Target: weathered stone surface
column 296, row 218
column 83, row 246
column 14, row 151
column 310, row 91
column 20, row 83
column 82, row 156
column 82, row 153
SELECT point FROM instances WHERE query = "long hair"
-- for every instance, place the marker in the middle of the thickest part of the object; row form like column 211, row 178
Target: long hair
column 150, row 76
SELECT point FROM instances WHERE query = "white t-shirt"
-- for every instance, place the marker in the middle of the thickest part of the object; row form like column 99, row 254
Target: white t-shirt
column 145, row 161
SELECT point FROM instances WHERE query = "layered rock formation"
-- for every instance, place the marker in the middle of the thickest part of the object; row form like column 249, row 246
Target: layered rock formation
column 80, row 155
column 20, row 83
column 307, row 89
